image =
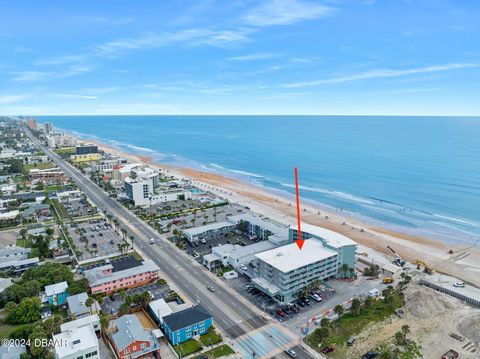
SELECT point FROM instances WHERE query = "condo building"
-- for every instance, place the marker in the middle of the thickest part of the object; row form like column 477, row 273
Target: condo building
column 285, row 272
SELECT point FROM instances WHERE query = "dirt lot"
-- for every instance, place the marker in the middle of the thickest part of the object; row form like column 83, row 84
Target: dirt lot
column 431, row 316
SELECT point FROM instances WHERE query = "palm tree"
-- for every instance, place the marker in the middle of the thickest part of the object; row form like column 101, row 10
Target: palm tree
column 344, row 269
column 405, row 332
column 356, row 306
column 89, row 302
column 122, row 294
column 104, row 324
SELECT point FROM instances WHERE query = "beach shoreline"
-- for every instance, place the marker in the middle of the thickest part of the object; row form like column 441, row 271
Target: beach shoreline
column 282, row 209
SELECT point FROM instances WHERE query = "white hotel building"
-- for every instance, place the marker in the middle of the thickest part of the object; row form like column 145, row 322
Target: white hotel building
column 284, row 272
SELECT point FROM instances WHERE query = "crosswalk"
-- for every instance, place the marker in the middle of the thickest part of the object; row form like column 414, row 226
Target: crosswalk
column 264, row 342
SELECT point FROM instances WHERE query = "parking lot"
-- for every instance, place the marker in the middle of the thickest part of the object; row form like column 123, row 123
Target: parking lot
column 332, row 293
column 112, row 303
column 95, row 238
column 199, row 250
column 201, row 217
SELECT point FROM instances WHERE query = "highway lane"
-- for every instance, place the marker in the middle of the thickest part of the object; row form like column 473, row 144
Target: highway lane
column 234, row 316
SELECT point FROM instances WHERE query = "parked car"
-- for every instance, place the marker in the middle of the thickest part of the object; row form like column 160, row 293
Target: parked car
column 288, row 310
column 301, row 303
column 281, row 313
column 203, row 241
column 305, row 300
column 316, row 297
column 328, row 350
column 351, row 340
column 369, row 355
column 111, row 241
column 291, row 353
column 459, row 284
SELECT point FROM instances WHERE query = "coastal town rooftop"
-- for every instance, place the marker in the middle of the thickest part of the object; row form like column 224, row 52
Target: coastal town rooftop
column 96, row 276
column 290, row 257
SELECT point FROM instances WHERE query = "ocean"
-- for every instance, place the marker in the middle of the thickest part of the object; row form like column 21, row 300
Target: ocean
column 418, row 175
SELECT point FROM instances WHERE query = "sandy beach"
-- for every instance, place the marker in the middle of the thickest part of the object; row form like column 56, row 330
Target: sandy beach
column 464, row 263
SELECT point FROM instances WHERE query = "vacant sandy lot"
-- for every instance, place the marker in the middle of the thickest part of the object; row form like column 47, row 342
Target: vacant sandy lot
column 431, row 316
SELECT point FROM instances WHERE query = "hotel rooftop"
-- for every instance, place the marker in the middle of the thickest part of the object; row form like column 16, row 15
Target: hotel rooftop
column 290, row 257
column 332, row 238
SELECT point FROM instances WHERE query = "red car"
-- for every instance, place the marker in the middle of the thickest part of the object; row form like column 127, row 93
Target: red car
column 328, row 350
column 281, row 313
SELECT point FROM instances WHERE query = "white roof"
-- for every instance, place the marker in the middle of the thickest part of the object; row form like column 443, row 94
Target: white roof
column 160, row 309
column 334, row 239
column 128, row 168
column 75, row 341
column 56, row 288
column 290, row 257
column 208, row 227
column 82, row 322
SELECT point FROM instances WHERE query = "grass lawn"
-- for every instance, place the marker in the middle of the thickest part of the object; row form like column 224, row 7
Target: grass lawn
column 211, row 338
column 187, row 348
column 5, row 329
column 62, row 212
column 65, row 151
column 348, row 324
column 40, row 166
column 53, row 188
column 219, row 351
column 26, row 243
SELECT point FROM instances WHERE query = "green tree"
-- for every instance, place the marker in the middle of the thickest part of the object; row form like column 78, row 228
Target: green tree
column 36, row 348
column 338, row 309
column 344, row 269
column 322, row 333
column 405, row 332
column 368, row 302
column 26, row 312
column 356, row 305
column 325, row 322
column 89, row 302
column 52, row 325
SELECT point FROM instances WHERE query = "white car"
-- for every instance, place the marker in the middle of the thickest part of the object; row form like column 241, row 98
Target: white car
column 291, row 353
column 316, row 297
column 152, row 240
column 459, row 284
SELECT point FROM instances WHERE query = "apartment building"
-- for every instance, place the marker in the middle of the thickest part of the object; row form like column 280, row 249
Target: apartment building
column 76, row 341
column 110, row 278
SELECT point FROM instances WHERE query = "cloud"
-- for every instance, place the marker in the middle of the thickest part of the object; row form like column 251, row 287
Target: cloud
column 76, row 96
column 27, row 76
column 381, row 73
column 254, row 57
column 189, row 36
column 285, row 12
column 11, row 98
column 31, row 76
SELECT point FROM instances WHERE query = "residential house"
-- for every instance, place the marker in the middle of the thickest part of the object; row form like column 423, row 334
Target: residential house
column 55, row 294
column 77, row 306
column 187, row 324
column 131, row 340
column 77, row 343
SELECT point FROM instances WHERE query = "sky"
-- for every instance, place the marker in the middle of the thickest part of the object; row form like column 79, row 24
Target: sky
column 305, row 57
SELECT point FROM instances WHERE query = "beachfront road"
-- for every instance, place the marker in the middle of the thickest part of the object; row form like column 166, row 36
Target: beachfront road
column 232, row 314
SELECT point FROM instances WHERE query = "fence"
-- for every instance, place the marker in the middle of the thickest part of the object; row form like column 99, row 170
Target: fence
column 469, row 300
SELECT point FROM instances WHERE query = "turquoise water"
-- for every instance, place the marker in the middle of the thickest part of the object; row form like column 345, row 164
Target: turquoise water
column 417, row 174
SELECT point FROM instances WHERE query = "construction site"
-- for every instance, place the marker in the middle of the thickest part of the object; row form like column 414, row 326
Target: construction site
column 442, row 312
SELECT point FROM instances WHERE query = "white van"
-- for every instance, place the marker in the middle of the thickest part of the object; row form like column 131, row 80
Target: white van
column 152, row 240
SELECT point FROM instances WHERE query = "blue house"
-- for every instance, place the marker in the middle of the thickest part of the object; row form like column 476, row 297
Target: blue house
column 186, row 324
column 55, row 294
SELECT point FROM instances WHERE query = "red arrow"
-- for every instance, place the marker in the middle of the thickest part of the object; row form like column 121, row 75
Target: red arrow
column 299, row 241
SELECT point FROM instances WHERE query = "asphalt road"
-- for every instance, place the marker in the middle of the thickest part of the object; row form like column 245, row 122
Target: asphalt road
column 230, row 313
